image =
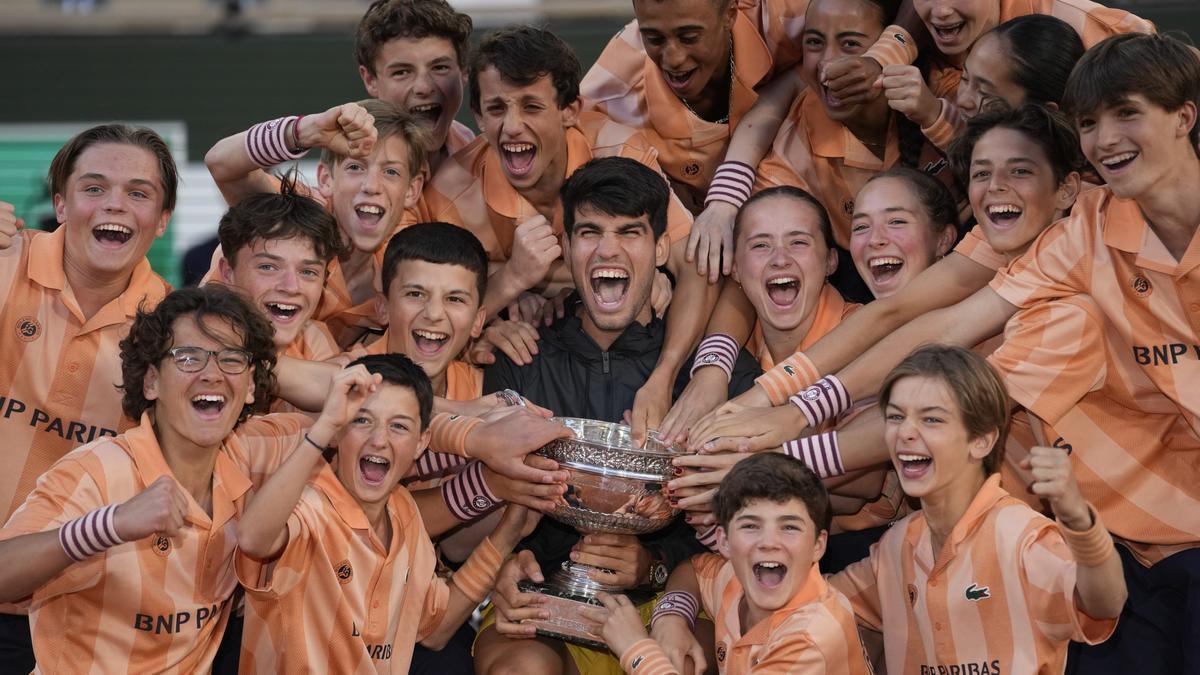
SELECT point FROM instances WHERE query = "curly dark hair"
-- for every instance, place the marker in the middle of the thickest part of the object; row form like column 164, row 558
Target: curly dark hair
column 279, row 215
column 386, row 20
column 153, row 330
column 776, row 478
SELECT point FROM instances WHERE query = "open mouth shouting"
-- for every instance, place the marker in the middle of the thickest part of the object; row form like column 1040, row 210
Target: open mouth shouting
column 783, row 290
column 885, row 268
column 913, row 466
column 208, row 406
column 1004, row 216
column 429, row 342
column 679, row 80
column 112, row 235
column 518, row 158
column 769, row 574
column 369, row 215
column 430, row 112
column 1118, row 163
column 610, row 285
column 373, row 469
column 947, row 33
column 282, row 312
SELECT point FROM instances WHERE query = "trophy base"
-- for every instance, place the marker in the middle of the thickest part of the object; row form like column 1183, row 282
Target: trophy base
column 565, row 622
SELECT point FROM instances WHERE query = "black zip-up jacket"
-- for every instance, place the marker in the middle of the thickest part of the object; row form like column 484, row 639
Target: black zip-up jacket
column 573, row 377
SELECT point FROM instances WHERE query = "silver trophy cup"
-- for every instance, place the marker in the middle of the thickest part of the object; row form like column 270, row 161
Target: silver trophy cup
column 614, row 487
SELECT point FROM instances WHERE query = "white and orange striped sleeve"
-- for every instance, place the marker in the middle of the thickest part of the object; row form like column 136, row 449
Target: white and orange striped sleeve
column 1048, row 572
column 859, row 583
column 275, row 578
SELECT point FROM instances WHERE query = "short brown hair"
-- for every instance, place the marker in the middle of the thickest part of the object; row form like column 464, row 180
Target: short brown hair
column 279, row 215
column 1047, row 128
column 152, row 332
column 788, row 192
column 387, row 20
column 523, row 55
column 1159, row 67
column 391, row 120
column 776, row 478
column 982, row 399
column 142, row 137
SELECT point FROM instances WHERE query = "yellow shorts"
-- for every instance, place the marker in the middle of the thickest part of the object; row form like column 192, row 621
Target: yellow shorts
column 587, row 660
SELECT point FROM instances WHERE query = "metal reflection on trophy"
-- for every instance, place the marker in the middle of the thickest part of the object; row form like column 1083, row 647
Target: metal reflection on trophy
column 614, row 487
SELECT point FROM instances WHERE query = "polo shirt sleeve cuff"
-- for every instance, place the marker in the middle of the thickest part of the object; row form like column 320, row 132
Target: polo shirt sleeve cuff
column 477, row 576
column 645, row 657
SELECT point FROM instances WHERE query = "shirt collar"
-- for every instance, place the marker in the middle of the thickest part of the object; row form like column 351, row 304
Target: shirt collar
column 1125, row 228
column 351, row 513
column 504, row 199
column 814, row 588
column 832, row 140
column 981, row 505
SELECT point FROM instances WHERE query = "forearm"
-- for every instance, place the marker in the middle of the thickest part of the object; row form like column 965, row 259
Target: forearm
column 694, row 301
column 1099, row 580
column 29, row 561
column 503, row 289
column 469, row 586
column 683, row 578
column 733, row 315
column 234, row 171
column 262, row 530
column 435, row 512
column 757, row 129
column 303, row 383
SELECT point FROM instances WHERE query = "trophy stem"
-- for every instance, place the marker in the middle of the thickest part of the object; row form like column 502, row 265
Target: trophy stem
column 573, row 579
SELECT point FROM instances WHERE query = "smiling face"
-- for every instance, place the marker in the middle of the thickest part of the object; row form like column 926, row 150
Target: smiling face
column 368, row 196
column 613, row 260
column 987, row 78
column 956, row 24
column 928, row 442
column 379, row 445
column 1136, row 144
column 833, row 29
column 772, row 547
column 688, row 40
column 892, row 239
column 1012, row 190
column 781, row 260
column 111, row 209
column 421, row 76
column 527, row 128
column 199, row 408
column 284, row 278
column 433, row 311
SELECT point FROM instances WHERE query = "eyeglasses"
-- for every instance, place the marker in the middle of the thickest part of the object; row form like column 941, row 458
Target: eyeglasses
column 195, row 359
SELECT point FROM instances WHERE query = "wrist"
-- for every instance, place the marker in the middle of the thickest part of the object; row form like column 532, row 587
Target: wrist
column 306, row 132
column 321, row 433
column 928, row 112
column 91, row 533
column 1076, row 519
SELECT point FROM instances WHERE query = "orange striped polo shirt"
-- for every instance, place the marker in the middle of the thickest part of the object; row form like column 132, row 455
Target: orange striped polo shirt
column 471, row 191
column 155, row 604
column 1138, row 447
column 60, row 371
column 998, row 598
column 626, row 85
column 338, row 600
column 813, row 633
column 314, row 343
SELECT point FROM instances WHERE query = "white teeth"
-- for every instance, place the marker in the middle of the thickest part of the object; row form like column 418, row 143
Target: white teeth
column 770, row 565
column 375, row 460
column 609, row 274
column 430, row 335
column 284, row 306
column 879, row 262
column 517, row 147
column 371, row 209
column 113, row 227
column 1003, row 208
column 1123, row 157
column 422, row 108
column 208, row 398
column 910, row 458
column 780, row 281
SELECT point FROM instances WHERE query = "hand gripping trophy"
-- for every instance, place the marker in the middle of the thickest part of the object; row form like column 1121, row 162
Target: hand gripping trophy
column 614, row 487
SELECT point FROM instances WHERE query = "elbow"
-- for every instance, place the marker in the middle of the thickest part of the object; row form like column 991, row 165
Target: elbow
column 213, row 162
column 1115, row 604
column 436, row 641
column 252, row 543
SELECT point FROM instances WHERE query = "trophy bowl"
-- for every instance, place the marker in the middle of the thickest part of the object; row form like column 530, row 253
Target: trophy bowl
column 614, row 487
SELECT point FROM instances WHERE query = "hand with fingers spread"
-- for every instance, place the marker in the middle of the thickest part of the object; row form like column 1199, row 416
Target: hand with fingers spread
column 708, row 389
column 535, row 247
column 513, row 607
column 710, row 243
column 908, row 94
column 661, row 293
column 851, row 79
column 623, row 554
column 504, row 443
column 701, row 475
column 1053, row 479
column 347, row 130
column 617, row 620
column 527, row 308
column 10, row 224
column 540, row 497
column 748, row 430
column 160, row 508
column 494, row 406
column 348, row 389
column 517, row 339
column 556, row 307
column 677, row 640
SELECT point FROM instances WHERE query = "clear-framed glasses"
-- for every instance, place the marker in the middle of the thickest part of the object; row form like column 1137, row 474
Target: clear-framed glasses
column 195, row 359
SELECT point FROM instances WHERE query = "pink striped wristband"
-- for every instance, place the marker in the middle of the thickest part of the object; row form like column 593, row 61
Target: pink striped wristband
column 718, row 350
column 731, row 184
column 824, row 400
column 432, row 464
column 89, row 534
column 679, row 603
column 270, row 143
column 820, row 452
column 709, row 538
column 468, row 495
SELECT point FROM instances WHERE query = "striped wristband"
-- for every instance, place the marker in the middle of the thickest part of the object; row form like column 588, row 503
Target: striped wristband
column 468, row 495
column 270, row 143
column 709, row 538
column 820, row 452
column 718, row 350
column 432, row 464
column 89, row 534
column 823, row 401
column 732, row 184
column 679, row 603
